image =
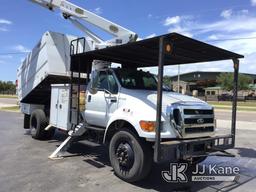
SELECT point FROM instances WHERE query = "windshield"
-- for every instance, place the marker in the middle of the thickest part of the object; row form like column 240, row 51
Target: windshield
column 133, row 79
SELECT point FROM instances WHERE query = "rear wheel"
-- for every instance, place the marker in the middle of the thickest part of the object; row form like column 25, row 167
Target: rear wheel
column 130, row 157
column 38, row 122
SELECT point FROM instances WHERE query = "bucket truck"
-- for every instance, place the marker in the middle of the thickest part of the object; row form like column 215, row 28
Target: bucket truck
column 67, row 83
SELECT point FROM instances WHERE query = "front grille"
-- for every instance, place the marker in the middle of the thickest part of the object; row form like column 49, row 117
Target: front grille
column 196, row 120
column 199, row 129
column 188, row 120
column 177, row 116
column 198, row 111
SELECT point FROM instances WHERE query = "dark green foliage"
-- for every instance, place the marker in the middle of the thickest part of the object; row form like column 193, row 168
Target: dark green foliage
column 7, row 87
column 225, row 80
column 167, row 81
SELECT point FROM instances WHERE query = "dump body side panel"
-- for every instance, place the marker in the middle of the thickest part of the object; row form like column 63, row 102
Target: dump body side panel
column 49, row 60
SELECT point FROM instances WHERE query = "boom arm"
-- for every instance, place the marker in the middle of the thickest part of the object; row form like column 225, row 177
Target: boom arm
column 73, row 12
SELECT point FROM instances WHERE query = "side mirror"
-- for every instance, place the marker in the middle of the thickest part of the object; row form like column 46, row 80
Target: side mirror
column 93, row 90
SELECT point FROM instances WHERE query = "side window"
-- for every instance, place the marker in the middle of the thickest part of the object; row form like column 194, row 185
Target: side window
column 100, row 81
column 105, row 81
column 113, row 87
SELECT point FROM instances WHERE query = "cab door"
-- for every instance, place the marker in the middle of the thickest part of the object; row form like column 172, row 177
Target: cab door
column 102, row 98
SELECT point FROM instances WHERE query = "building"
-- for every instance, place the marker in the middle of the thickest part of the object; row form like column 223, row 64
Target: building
column 195, row 83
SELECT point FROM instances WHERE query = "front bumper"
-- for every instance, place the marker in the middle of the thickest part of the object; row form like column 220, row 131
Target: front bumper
column 187, row 149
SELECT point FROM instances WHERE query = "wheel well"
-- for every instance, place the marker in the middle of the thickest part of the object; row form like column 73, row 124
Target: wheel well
column 26, row 122
column 116, row 126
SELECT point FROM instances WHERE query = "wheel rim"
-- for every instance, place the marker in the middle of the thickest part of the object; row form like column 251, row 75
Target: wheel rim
column 125, row 155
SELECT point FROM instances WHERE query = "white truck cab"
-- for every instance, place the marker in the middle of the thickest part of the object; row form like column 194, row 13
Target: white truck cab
column 130, row 95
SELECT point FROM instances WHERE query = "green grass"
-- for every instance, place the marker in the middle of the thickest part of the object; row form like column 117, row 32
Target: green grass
column 238, row 109
column 13, row 108
column 8, row 96
column 241, row 106
column 228, row 103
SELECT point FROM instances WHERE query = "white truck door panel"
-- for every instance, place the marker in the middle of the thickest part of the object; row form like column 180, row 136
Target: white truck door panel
column 96, row 109
column 103, row 103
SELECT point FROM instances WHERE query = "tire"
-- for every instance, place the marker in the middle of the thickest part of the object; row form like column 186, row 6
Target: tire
column 38, row 122
column 138, row 160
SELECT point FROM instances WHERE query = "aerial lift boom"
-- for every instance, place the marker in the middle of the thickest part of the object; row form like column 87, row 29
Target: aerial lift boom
column 75, row 13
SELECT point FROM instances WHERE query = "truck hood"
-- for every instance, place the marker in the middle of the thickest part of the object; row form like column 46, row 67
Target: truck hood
column 150, row 97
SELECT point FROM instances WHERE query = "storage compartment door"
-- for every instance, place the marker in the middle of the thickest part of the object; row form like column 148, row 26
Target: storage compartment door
column 54, row 106
column 63, row 111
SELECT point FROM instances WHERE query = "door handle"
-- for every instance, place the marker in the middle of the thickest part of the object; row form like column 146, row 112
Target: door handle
column 89, row 98
column 112, row 99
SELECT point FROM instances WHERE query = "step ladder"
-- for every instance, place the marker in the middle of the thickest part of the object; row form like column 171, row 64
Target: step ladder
column 78, row 125
column 74, row 103
column 77, row 46
column 74, row 134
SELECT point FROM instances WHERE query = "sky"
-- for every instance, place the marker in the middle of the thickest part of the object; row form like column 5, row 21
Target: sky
column 229, row 24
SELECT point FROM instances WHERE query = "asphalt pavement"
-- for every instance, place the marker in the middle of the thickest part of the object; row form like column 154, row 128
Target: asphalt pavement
column 24, row 165
column 12, row 101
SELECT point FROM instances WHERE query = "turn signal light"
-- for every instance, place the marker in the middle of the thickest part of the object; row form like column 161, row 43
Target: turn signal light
column 148, row 126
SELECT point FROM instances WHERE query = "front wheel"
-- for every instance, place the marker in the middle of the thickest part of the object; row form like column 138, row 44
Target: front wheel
column 130, row 156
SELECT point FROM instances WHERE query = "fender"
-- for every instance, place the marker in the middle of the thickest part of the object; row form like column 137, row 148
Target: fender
column 126, row 114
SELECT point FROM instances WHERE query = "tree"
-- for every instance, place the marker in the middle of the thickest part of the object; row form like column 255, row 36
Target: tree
column 226, row 81
column 167, row 81
column 7, row 87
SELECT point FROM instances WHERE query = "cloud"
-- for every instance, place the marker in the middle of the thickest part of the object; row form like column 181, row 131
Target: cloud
column 226, row 13
column 150, row 15
column 98, row 11
column 172, row 20
column 244, row 11
column 240, row 25
column 6, row 56
column 253, row 2
column 3, row 29
column 237, row 22
column 150, row 36
column 182, row 30
column 179, row 24
column 213, row 37
column 21, row 48
column 5, row 21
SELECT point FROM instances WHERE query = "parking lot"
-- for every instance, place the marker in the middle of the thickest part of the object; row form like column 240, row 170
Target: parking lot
column 25, row 166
